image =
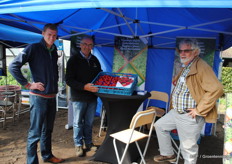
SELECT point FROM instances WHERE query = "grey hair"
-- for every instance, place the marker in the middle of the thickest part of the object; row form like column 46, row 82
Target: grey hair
column 191, row 42
column 87, row 37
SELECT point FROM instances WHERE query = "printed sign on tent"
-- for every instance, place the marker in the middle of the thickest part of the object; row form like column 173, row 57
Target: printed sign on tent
column 130, row 56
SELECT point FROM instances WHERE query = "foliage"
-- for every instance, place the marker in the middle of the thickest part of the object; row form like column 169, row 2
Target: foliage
column 227, row 79
column 9, row 80
column 229, row 99
column 226, row 101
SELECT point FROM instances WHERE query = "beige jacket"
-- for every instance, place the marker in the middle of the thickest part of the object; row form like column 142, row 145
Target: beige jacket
column 205, row 89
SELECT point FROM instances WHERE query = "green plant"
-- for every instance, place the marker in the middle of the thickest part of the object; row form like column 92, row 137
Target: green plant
column 227, row 79
column 226, row 100
column 9, row 80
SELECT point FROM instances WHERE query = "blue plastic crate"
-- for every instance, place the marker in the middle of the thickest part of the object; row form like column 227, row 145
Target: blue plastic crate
column 116, row 90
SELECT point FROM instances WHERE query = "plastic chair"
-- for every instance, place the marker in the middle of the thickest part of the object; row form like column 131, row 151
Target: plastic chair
column 176, row 150
column 176, row 147
column 7, row 103
column 103, row 120
column 131, row 135
column 161, row 96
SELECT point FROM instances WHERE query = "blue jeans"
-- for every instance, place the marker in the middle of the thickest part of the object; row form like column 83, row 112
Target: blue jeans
column 83, row 117
column 42, row 116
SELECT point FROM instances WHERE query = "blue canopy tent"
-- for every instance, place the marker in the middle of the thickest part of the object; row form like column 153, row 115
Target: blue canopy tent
column 158, row 22
column 15, row 36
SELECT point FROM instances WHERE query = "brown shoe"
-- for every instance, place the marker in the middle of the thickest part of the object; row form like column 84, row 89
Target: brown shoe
column 54, row 160
column 161, row 158
column 79, row 151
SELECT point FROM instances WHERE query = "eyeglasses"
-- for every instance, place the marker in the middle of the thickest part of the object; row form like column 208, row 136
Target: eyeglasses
column 185, row 51
column 87, row 45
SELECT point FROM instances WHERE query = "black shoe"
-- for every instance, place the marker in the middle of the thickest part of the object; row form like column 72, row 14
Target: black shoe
column 91, row 147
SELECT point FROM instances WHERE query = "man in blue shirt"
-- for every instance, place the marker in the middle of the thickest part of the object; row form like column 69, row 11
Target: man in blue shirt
column 42, row 59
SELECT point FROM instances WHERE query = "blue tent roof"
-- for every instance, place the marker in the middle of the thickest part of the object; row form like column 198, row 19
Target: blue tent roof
column 158, row 22
column 16, row 35
column 42, row 5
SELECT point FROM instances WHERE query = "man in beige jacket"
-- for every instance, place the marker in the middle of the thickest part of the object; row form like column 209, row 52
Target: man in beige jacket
column 193, row 102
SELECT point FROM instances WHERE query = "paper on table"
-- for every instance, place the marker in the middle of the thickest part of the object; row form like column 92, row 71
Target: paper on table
column 141, row 92
column 127, row 86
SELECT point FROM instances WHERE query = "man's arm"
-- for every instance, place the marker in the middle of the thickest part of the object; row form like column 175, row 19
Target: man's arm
column 213, row 90
column 15, row 67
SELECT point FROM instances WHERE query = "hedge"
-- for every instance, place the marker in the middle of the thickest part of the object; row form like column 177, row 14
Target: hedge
column 227, row 79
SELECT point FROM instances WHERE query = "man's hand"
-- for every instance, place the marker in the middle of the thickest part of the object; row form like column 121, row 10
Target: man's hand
column 192, row 112
column 90, row 87
column 39, row 86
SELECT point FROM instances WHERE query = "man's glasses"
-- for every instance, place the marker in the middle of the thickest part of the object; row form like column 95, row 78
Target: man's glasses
column 185, row 51
column 87, row 45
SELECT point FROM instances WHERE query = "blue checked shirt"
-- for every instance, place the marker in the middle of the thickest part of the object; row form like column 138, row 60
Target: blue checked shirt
column 181, row 98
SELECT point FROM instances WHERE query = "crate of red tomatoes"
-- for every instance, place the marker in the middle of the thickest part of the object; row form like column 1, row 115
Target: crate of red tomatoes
column 116, row 83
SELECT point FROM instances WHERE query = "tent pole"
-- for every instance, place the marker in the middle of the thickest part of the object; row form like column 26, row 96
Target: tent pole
column 202, row 29
column 213, row 22
column 160, row 24
column 27, row 22
column 163, row 32
column 13, row 20
column 115, row 34
column 131, row 30
column 116, row 14
column 136, row 24
column 122, row 24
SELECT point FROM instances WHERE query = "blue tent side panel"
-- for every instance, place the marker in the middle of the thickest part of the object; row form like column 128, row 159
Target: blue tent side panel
column 159, row 72
column 105, row 55
column 208, row 129
column 217, row 62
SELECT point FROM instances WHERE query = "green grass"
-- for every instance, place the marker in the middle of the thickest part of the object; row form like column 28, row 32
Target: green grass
column 224, row 103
